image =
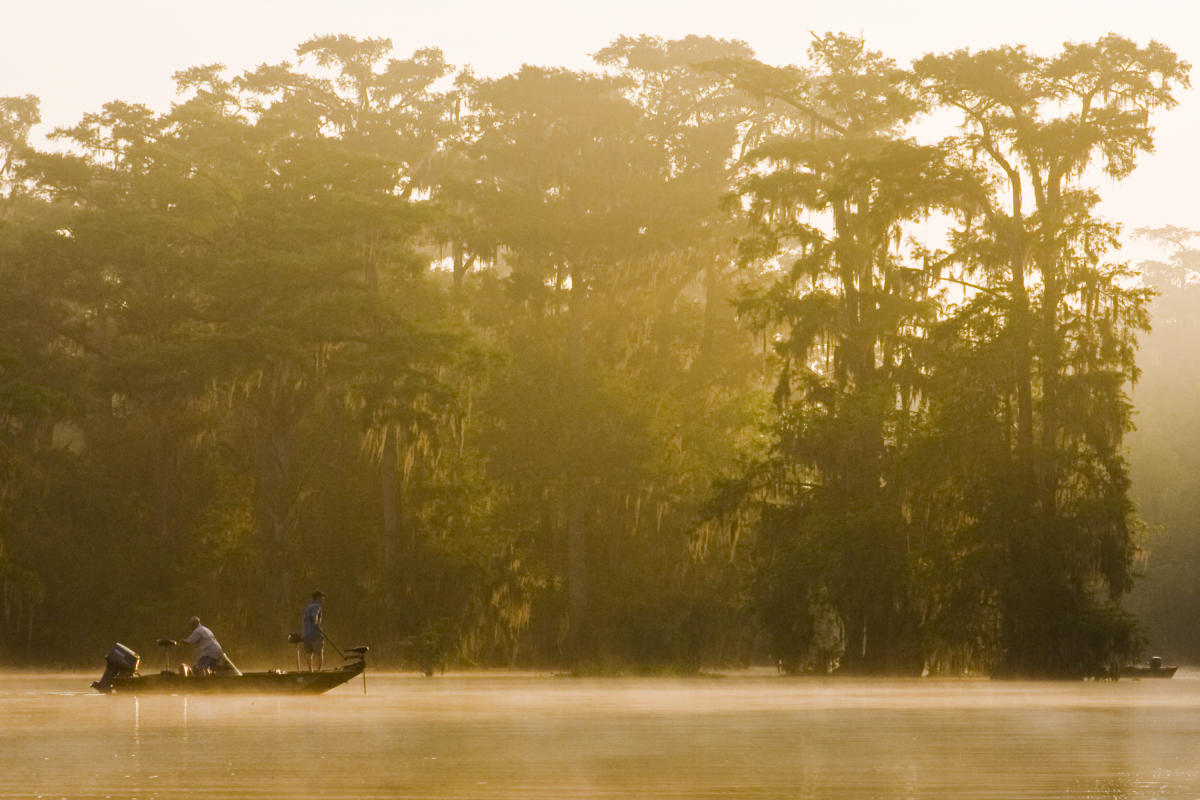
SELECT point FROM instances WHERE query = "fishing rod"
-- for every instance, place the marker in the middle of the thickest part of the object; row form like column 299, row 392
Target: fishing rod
column 325, row 636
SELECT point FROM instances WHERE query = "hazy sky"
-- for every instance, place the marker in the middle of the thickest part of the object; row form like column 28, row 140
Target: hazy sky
column 76, row 55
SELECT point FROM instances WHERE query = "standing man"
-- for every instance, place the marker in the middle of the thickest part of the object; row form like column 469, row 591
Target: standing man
column 211, row 653
column 314, row 636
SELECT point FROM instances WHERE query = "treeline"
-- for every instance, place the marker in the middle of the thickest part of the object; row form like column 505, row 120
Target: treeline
column 1165, row 449
column 660, row 365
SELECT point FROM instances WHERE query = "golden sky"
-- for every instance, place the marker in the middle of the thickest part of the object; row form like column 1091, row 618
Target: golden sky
column 77, row 54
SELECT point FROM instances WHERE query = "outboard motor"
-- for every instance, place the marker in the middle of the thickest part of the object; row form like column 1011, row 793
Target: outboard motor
column 120, row 662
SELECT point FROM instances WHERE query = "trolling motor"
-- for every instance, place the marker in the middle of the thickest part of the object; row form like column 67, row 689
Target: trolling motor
column 120, row 662
column 360, row 653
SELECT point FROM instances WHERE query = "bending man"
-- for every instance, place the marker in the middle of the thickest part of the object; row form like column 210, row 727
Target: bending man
column 212, row 655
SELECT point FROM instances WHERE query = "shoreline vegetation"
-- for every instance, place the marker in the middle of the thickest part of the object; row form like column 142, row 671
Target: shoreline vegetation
column 651, row 368
column 630, row 674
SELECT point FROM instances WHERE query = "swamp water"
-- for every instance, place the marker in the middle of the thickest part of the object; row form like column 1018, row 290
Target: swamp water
column 537, row 736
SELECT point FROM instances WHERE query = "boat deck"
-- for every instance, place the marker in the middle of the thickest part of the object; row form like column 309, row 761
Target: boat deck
column 272, row 682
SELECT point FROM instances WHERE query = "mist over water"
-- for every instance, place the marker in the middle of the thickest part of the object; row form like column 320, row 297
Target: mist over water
column 536, row 736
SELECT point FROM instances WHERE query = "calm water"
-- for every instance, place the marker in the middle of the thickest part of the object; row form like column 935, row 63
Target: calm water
column 536, row 736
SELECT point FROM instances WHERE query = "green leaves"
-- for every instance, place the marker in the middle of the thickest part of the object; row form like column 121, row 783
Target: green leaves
column 1023, row 379
column 479, row 350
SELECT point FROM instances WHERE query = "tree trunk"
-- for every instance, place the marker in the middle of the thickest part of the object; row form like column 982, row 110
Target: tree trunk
column 577, row 583
column 714, row 300
column 389, row 490
column 577, row 596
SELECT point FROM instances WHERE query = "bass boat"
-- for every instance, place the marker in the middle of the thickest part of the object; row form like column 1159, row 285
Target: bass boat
column 1154, row 670
column 121, row 676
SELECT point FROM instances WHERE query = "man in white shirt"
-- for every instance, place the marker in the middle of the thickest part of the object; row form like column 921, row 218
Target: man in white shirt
column 211, row 654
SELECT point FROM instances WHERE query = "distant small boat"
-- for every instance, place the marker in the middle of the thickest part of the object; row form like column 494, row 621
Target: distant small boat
column 1154, row 669
column 121, row 676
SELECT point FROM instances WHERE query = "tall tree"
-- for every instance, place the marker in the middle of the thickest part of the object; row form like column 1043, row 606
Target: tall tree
column 1058, row 511
column 566, row 185
column 832, row 201
column 32, row 391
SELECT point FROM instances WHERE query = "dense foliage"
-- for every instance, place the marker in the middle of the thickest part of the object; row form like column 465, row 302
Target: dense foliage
column 658, row 366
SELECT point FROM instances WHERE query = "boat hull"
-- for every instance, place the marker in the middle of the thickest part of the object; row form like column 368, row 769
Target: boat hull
column 1147, row 672
column 246, row 683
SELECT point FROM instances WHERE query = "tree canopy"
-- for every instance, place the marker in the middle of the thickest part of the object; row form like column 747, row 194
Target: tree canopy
column 652, row 366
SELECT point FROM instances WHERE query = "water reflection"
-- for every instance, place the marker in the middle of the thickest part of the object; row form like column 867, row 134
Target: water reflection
column 522, row 736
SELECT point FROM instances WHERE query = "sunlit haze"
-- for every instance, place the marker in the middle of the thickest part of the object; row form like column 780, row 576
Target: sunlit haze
column 461, row 400
column 75, row 56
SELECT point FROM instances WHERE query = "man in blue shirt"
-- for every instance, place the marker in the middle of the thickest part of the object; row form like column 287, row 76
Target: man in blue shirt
column 314, row 637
